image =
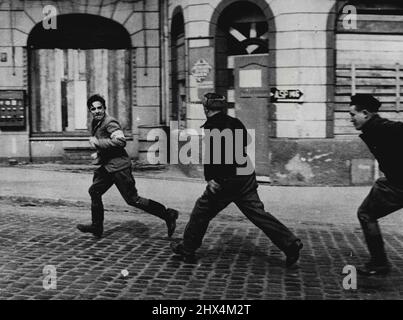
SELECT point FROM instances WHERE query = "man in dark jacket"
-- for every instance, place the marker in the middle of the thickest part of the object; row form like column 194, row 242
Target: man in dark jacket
column 230, row 181
column 115, row 168
column 386, row 196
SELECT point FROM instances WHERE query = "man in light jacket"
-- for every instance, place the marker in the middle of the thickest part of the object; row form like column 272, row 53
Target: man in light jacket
column 115, row 168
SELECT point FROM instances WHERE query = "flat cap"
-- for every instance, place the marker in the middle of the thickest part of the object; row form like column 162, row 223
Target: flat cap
column 365, row 101
column 214, row 101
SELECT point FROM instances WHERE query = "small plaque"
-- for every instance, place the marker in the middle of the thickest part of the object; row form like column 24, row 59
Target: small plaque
column 250, row 78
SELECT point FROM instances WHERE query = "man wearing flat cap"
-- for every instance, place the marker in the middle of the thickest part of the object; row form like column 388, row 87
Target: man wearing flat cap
column 227, row 183
column 383, row 138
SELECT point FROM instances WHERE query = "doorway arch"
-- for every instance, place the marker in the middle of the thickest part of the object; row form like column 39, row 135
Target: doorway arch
column 86, row 54
column 243, row 33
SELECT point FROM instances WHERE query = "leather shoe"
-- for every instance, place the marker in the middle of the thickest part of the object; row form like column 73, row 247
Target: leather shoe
column 179, row 249
column 172, row 215
column 373, row 269
column 293, row 253
column 89, row 228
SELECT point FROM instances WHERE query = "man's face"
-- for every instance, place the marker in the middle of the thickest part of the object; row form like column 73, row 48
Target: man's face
column 358, row 118
column 204, row 102
column 205, row 111
column 97, row 110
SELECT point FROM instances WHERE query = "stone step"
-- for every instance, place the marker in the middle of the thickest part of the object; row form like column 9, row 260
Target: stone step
column 77, row 155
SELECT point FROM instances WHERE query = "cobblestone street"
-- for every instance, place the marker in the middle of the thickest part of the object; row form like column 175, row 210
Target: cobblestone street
column 236, row 260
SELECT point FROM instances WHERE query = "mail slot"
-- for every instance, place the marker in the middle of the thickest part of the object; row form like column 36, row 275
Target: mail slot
column 12, row 109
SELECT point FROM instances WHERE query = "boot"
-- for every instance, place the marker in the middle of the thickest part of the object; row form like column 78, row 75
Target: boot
column 292, row 253
column 97, row 218
column 373, row 268
column 170, row 219
column 378, row 264
column 90, row 228
column 179, row 249
column 157, row 209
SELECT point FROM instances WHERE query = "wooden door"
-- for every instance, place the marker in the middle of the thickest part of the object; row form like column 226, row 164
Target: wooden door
column 252, row 101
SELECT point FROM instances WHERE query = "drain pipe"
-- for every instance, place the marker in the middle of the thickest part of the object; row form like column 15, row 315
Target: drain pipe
column 145, row 39
column 164, row 62
column 12, row 37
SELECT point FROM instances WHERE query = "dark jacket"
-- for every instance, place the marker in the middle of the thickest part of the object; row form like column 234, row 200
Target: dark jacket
column 111, row 142
column 222, row 171
column 383, row 138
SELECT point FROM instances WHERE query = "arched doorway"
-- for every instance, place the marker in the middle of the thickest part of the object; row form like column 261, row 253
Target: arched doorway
column 86, row 54
column 242, row 71
column 178, row 68
column 369, row 59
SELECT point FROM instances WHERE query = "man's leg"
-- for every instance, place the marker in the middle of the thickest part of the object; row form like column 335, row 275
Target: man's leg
column 382, row 200
column 127, row 187
column 205, row 209
column 102, row 181
column 253, row 208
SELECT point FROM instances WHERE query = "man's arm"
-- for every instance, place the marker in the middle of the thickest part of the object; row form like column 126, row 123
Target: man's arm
column 116, row 139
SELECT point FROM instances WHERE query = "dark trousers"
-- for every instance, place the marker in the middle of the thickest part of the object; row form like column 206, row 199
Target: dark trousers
column 383, row 199
column 243, row 192
column 126, row 185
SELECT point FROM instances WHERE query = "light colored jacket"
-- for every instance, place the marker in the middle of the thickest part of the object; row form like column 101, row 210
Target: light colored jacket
column 110, row 145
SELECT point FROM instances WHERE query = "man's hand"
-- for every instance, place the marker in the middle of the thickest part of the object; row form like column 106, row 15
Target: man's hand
column 93, row 142
column 94, row 155
column 213, row 186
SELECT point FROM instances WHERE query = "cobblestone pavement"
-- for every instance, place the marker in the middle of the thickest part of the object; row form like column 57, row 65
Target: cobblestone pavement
column 236, row 260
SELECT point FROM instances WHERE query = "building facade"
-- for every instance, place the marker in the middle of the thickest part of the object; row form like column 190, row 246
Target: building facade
column 287, row 67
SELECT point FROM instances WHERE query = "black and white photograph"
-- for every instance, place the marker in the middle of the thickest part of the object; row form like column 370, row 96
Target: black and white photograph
column 201, row 156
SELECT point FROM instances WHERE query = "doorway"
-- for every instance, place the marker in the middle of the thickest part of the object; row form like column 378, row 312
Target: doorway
column 242, row 72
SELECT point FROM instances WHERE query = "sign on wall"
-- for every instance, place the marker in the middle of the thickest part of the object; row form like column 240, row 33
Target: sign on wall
column 290, row 95
column 250, row 78
column 200, row 70
column 12, row 109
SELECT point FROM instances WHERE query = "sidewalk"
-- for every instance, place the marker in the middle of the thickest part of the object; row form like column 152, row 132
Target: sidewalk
column 336, row 205
column 41, row 206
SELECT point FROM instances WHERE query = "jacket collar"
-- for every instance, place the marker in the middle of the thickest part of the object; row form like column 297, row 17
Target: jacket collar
column 217, row 118
column 371, row 124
